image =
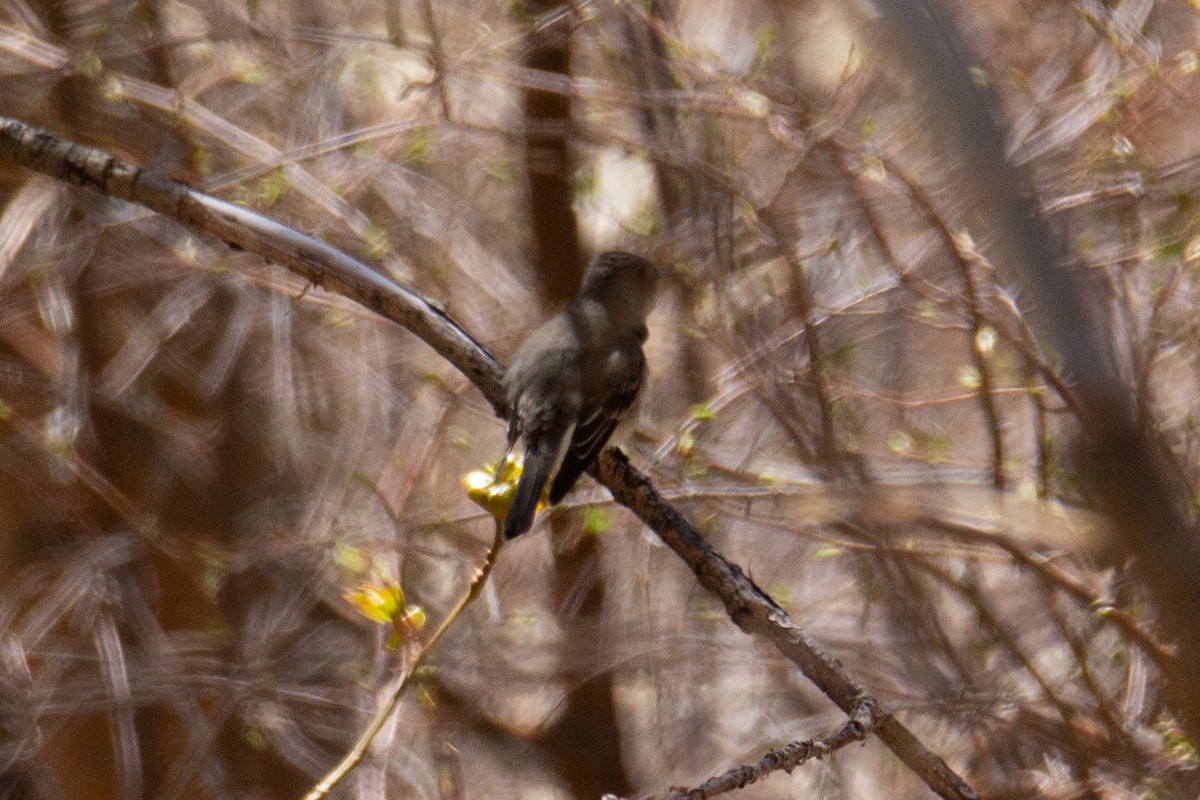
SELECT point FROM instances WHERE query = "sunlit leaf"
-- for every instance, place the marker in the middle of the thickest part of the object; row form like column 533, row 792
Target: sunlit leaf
column 376, row 602
column 492, row 487
column 828, row 550
column 596, row 520
column 686, row 442
column 253, row 74
column 900, row 442
column 350, row 558
column 985, row 339
column 1187, row 62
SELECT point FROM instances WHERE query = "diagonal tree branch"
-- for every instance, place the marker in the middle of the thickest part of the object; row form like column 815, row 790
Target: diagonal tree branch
column 757, row 614
column 747, row 605
column 325, row 266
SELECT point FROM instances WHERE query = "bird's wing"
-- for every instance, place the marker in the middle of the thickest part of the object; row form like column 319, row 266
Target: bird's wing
column 624, row 376
column 546, row 404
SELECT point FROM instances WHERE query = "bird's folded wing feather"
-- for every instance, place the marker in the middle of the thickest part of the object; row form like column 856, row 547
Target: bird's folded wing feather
column 593, row 431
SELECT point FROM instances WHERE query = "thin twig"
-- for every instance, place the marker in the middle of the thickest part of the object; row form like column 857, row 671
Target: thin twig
column 785, row 758
column 1071, row 585
column 356, row 753
column 438, row 57
column 965, row 257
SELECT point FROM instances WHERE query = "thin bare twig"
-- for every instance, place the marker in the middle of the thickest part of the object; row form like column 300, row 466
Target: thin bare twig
column 438, row 57
column 785, row 758
column 1072, row 586
column 356, row 753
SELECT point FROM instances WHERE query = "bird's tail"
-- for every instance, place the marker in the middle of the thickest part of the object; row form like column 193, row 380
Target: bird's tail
column 534, row 474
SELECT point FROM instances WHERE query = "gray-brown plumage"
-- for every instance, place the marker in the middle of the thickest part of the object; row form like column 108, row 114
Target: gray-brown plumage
column 574, row 378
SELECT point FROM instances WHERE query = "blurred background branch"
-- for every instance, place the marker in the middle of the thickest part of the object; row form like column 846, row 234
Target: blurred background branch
column 1134, row 477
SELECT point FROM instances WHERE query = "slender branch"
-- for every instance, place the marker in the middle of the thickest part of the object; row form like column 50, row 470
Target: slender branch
column 1105, row 707
column 987, row 381
column 830, row 443
column 1071, row 585
column 757, row 614
column 965, row 257
column 438, row 56
column 990, row 621
column 1022, row 338
column 325, row 266
column 356, row 753
column 786, row 758
column 1042, row 444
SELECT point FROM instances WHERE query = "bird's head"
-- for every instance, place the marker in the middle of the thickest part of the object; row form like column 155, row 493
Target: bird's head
column 623, row 283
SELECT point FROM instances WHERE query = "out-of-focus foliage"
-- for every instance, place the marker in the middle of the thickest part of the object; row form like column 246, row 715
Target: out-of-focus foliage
column 199, row 455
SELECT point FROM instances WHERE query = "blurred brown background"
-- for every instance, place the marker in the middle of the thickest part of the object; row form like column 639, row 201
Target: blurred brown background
column 199, row 455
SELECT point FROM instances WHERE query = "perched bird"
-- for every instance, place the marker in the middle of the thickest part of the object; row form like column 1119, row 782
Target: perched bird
column 574, row 378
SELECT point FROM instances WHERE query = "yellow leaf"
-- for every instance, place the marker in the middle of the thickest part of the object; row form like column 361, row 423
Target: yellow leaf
column 492, row 487
column 375, row 602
